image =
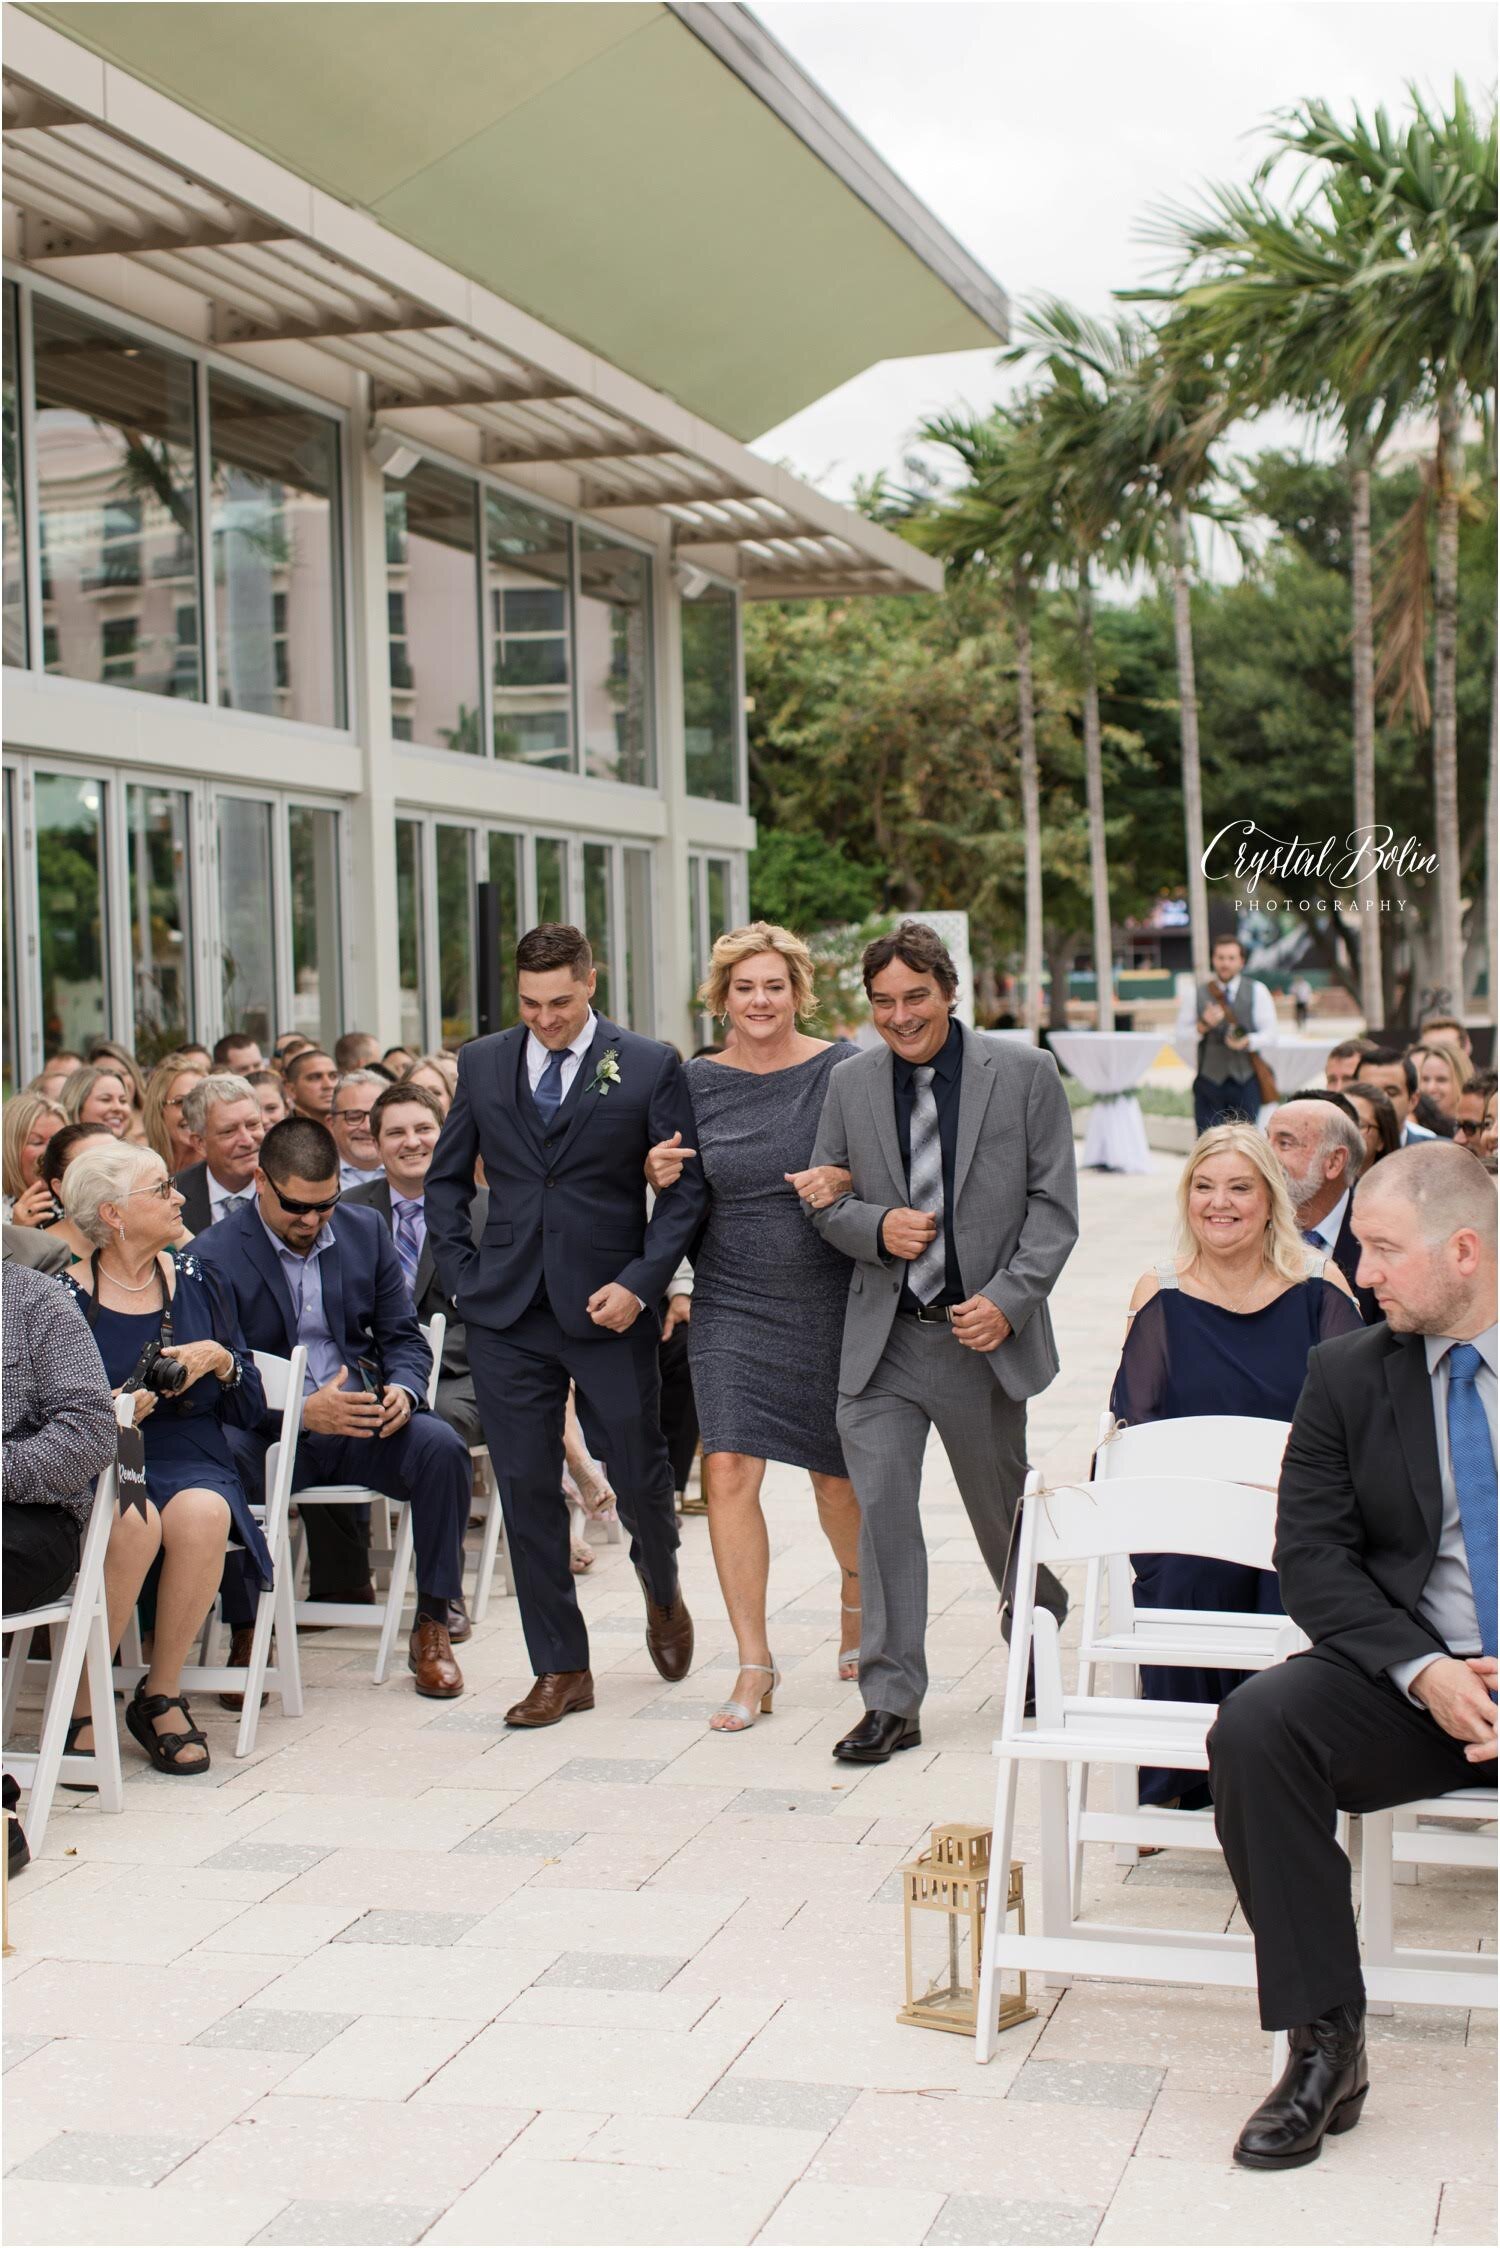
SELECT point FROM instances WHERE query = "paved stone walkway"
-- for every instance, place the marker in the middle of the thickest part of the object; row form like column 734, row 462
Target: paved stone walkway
column 400, row 1976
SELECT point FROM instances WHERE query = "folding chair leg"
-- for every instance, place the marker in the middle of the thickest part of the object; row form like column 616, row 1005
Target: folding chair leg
column 1003, row 1836
column 396, row 1597
column 1078, row 1803
column 62, row 1686
column 490, row 1549
column 1125, row 1779
column 1377, row 1900
column 1056, row 1867
column 107, row 1773
column 1403, row 1870
column 288, row 1655
column 15, row 1676
column 1279, row 2052
column 255, row 1673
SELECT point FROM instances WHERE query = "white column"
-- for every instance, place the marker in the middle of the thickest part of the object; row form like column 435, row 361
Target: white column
column 374, row 1001
column 674, row 1014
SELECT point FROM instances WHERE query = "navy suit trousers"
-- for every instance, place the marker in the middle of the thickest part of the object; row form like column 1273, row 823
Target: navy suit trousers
column 521, row 1375
column 427, row 1465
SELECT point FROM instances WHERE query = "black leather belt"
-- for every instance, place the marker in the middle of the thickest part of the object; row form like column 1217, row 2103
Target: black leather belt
column 928, row 1315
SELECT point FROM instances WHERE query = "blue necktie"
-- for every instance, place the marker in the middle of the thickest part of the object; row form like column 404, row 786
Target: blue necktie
column 409, row 1232
column 549, row 1093
column 1473, row 1460
column 1312, row 1237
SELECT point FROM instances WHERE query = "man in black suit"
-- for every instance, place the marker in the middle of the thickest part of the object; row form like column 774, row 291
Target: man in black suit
column 1316, row 1139
column 226, row 1118
column 564, row 1286
column 404, row 1124
column 1385, row 1547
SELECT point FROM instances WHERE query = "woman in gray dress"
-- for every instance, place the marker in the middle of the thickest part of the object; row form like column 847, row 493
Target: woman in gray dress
column 769, row 1295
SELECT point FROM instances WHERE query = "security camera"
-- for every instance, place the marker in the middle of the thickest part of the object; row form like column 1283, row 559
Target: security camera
column 392, row 453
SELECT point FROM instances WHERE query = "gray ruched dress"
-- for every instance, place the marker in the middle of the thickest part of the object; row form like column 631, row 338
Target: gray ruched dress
column 768, row 1294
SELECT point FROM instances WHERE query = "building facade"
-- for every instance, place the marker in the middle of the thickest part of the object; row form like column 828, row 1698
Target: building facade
column 336, row 584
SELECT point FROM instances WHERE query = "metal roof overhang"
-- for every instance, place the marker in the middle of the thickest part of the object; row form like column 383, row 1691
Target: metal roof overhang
column 661, row 183
column 105, row 178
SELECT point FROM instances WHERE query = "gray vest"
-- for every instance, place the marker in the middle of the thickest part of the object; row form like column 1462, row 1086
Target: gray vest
column 1219, row 1063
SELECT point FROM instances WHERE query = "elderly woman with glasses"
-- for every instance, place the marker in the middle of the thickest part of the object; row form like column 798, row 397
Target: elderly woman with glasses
column 167, row 1332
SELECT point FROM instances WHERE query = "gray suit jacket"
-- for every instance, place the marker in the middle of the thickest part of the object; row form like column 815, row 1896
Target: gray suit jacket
column 1015, row 1211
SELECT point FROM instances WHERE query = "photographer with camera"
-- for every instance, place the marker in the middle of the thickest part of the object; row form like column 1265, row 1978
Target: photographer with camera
column 168, row 1334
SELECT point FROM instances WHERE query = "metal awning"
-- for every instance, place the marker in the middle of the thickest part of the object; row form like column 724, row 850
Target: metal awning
column 256, row 260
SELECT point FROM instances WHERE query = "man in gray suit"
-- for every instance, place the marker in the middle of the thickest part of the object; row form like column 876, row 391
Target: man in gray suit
column 962, row 1213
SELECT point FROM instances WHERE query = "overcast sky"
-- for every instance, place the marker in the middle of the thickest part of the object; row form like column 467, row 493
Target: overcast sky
column 1040, row 132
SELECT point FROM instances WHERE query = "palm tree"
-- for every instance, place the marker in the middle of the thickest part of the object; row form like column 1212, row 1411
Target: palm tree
column 984, row 531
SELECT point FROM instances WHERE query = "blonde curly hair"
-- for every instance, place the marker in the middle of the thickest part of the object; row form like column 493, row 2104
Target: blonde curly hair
column 746, row 944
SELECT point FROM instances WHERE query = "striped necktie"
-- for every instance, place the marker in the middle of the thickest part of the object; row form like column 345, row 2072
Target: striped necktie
column 1472, row 1458
column 228, row 1206
column 409, row 1234
column 926, row 1274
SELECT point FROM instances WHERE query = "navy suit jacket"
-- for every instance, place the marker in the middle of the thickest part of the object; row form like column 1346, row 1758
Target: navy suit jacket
column 1345, row 1255
column 366, row 1301
column 567, row 1199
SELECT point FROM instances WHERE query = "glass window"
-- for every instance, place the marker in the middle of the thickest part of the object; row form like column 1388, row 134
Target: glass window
column 711, row 695
column 117, row 500
column 505, row 874
column 71, row 918
column 720, row 901
column 432, row 587
column 695, row 918
column 277, row 595
column 158, row 845
column 247, row 917
column 528, row 572
column 12, row 1024
column 614, row 660
column 640, row 1007
column 455, row 910
column 313, row 853
column 598, row 896
column 410, row 927
column 551, row 879
column 13, row 637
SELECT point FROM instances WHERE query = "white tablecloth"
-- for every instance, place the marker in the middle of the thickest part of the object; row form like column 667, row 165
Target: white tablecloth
column 1109, row 1063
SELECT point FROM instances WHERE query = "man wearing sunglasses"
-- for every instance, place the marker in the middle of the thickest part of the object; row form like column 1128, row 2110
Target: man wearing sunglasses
column 306, row 1268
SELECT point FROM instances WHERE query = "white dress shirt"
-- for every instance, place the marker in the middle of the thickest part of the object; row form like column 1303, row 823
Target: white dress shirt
column 1262, row 1013
column 1328, row 1228
column 538, row 1055
column 1447, row 1602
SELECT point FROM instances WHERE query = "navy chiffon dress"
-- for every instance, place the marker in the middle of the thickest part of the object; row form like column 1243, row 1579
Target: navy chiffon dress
column 186, row 1447
column 1184, row 1357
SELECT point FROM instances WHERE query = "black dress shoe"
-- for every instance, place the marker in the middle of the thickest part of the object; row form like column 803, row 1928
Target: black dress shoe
column 1321, row 2093
column 17, row 1848
column 459, row 1626
column 876, row 1737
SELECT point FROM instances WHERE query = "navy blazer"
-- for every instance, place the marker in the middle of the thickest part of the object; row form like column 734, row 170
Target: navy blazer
column 366, row 1301
column 1345, row 1253
column 567, row 1199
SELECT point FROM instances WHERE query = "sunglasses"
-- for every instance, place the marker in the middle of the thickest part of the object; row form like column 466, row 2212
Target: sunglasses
column 1465, row 1129
column 305, row 1209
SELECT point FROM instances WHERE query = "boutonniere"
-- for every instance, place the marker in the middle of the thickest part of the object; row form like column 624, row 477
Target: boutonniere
column 606, row 1073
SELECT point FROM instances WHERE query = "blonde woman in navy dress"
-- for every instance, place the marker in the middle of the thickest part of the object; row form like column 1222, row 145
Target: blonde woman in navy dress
column 768, row 1295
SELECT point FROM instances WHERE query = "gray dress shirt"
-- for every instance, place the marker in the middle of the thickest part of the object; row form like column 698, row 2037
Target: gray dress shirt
column 1447, row 1602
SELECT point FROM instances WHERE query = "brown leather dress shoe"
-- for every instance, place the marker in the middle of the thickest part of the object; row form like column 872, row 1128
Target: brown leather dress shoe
column 669, row 1635
column 241, row 1640
column 431, row 1659
column 555, row 1695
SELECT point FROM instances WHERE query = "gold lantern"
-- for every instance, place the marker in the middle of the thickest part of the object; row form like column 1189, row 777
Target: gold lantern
column 944, row 1896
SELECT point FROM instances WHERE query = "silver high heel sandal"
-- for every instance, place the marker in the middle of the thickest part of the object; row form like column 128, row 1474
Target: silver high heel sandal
column 745, row 1716
column 847, row 1668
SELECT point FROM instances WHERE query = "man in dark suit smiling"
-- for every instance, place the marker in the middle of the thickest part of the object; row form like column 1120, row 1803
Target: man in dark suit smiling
column 564, row 1287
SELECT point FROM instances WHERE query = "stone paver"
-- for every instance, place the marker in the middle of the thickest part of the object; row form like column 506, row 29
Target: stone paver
column 400, row 1976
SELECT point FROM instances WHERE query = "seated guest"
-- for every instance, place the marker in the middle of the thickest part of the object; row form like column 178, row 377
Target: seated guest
column 55, row 1074
column 355, row 1049
column 166, row 1089
column 30, row 1121
column 439, row 1073
column 199, row 1056
column 1441, row 1071
column 1475, row 1128
column 405, row 1123
column 311, row 1076
column 94, row 1095
column 223, row 1116
column 61, row 1149
column 289, row 1043
column 1225, row 1326
column 1396, row 1076
column 43, row 1252
column 238, row 1052
column 1447, row 1030
column 1338, row 1070
column 1317, row 1140
column 59, row 1435
column 106, row 1053
column 1376, row 1118
column 398, row 1060
column 300, row 1273
column 143, row 1299
column 354, row 1096
column 1385, row 1547
column 269, row 1091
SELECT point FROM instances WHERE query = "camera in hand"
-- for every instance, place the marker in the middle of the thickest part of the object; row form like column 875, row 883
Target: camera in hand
column 154, row 1370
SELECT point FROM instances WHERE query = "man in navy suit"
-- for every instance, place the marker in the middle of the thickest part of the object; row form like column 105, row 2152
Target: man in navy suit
column 300, row 1273
column 564, row 1288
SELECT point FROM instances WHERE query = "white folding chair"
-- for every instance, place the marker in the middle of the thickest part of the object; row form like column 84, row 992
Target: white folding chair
column 78, row 1624
column 1232, row 1446
column 1405, row 1837
column 1087, row 1522
column 493, row 1552
column 344, row 1612
column 282, row 1380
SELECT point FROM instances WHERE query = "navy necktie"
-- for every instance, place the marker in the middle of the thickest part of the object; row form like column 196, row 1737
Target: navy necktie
column 549, row 1091
column 1472, row 1457
column 1312, row 1237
